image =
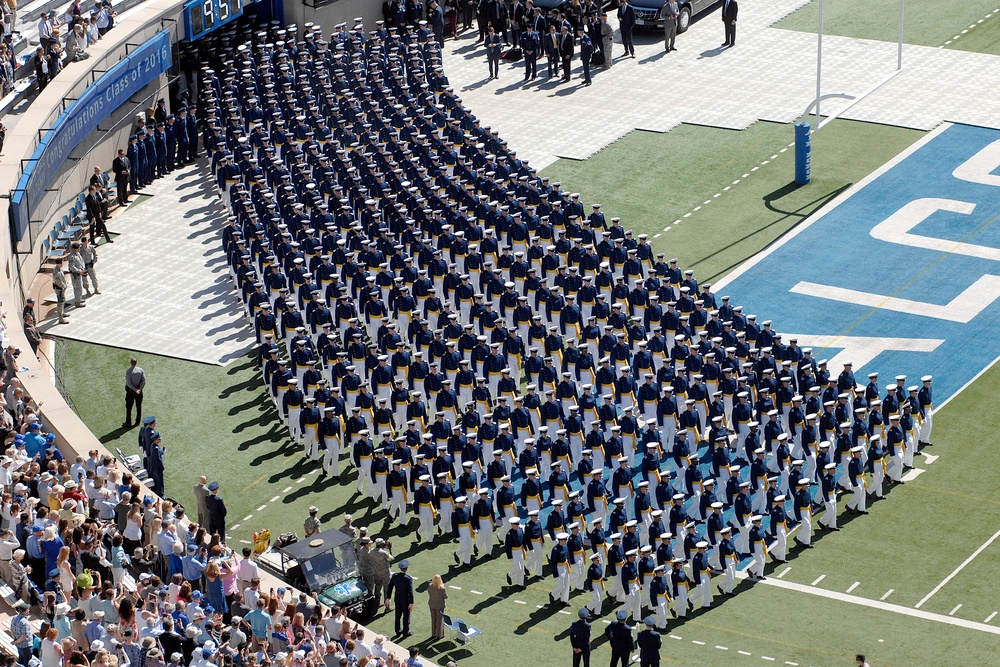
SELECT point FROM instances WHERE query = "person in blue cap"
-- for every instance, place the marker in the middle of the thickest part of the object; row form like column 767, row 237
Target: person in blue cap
column 146, row 433
column 34, row 441
column 154, row 465
column 401, row 584
column 649, row 642
column 579, row 639
column 216, row 512
column 619, row 635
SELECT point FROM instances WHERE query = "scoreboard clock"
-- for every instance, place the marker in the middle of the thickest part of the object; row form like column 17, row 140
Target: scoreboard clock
column 203, row 16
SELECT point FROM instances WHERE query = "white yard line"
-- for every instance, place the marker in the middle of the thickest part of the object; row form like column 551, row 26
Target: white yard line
column 877, row 604
column 958, row 569
column 853, row 586
column 819, row 579
column 887, row 594
column 784, row 572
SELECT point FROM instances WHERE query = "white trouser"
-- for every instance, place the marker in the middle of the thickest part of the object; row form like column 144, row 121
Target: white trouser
column 829, row 518
column 757, row 567
column 743, row 541
column 681, row 601
column 561, row 590
column 380, row 494
column 579, row 578
column 729, row 580
column 925, row 428
column 780, row 549
column 536, row 559
column 911, row 449
column 293, row 425
column 857, row 501
column 895, row 467
column 397, row 505
column 465, row 547
column 703, row 594
column 517, row 567
column 331, row 457
column 878, row 475
column 506, row 514
column 311, row 441
column 425, row 533
column 633, row 602
column 365, row 477
column 596, row 600
column 660, row 614
column 806, row 531
column 484, row 538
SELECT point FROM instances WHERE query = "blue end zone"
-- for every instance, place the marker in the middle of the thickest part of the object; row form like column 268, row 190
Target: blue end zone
column 935, row 286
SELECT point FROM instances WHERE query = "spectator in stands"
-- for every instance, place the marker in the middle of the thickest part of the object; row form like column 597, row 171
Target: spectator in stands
column 12, row 23
column 46, row 26
column 76, row 44
column 32, row 333
column 41, row 67
column 105, row 18
column 6, row 68
column 20, row 630
column 90, row 27
column 74, row 12
column 55, row 54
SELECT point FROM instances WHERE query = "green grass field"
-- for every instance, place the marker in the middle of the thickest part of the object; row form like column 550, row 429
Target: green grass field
column 925, row 22
column 747, row 217
column 217, row 421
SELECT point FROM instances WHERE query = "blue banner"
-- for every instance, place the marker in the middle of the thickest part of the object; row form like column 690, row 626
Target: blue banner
column 101, row 98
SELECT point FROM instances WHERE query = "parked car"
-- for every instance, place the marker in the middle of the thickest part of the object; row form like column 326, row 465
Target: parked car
column 649, row 13
column 325, row 564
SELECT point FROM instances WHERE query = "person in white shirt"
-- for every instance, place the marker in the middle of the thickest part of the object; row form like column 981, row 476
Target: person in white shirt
column 8, row 543
column 252, row 593
column 247, row 571
column 45, row 27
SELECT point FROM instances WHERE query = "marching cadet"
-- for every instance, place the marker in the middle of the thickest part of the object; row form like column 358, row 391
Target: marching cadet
column 444, row 499
column 803, row 513
column 702, row 575
column 659, row 599
column 595, row 585
column 727, row 555
column 909, row 426
column 679, row 585
column 856, row 479
column 309, row 418
column 758, row 548
column 559, row 561
column 895, row 446
column 534, row 541
column 631, row 585
column 876, row 465
column 616, row 557
column 483, row 522
column 291, row 406
column 778, row 527
column 506, row 506
column 925, row 409
column 461, row 528
column 828, row 496
column 380, row 471
column 578, row 561
column 424, row 502
column 514, row 546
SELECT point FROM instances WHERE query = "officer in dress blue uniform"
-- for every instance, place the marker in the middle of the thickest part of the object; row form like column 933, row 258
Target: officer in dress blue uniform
column 401, row 584
column 579, row 631
column 649, row 642
column 619, row 636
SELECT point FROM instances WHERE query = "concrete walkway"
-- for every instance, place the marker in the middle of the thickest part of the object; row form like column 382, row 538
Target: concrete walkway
column 165, row 288
column 769, row 75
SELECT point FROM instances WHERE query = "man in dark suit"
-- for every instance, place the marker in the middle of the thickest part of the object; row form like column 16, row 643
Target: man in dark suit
column 730, row 8
column 626, row 22
column 437, row 21
column 579, row 639
column 402, row 585
column 530, row 45
column 95, row 215
column 551, row 45
column 216, row 512
column 493, row 47
column 566, row 51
